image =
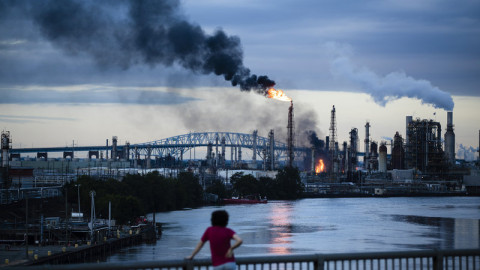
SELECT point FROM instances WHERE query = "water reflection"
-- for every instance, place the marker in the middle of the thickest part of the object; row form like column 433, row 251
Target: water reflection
column 281, row 227
column 450, row 233
column 324, row 226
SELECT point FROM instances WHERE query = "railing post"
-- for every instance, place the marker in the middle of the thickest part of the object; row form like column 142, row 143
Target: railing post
column 438, row 260
column 188, row 265
column 319, row 264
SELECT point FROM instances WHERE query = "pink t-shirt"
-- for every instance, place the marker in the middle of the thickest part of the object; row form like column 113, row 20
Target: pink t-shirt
column 219, row 238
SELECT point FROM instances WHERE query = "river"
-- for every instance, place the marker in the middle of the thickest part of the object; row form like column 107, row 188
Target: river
column 327, row 225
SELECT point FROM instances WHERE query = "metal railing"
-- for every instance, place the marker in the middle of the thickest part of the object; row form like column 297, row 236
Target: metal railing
column 468, row 259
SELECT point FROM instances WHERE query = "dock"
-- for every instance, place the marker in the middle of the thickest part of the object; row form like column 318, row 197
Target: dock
column 59, row 254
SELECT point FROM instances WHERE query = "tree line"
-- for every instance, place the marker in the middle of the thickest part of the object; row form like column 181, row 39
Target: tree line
column 137, row 195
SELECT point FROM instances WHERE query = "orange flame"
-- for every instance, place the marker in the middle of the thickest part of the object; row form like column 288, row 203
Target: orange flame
column 320, row 166
column 277, row 94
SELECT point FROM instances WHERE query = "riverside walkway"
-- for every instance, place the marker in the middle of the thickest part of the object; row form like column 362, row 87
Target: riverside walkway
column 468, row 259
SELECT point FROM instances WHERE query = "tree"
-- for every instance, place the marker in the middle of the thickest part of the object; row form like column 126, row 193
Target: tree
column 245, row 184
column 218, row 188
column 290, row 186
column 189, row 190
column 268, row 188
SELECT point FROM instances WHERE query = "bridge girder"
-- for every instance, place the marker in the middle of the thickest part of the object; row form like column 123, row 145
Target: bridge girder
column 176, row 145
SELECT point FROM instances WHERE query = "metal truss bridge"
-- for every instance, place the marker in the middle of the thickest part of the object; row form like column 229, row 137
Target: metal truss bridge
column 176, row 146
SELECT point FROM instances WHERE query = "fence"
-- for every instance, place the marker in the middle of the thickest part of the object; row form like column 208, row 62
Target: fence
column 468, row 259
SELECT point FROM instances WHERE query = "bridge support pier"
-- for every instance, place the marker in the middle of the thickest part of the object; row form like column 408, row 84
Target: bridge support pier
column 68, row 154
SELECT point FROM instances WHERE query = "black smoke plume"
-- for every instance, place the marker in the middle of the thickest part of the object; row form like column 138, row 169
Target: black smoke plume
column 320, row 150
column 125, row 33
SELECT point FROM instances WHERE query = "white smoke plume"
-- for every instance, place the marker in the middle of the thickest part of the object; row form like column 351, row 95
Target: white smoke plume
column 468, row 153
column 384, row 89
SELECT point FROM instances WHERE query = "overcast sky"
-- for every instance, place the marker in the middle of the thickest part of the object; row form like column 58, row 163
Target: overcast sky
column 88, row 53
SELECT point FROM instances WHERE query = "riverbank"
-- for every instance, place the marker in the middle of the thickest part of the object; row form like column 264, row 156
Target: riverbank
column 308, row 195
column 78, row 253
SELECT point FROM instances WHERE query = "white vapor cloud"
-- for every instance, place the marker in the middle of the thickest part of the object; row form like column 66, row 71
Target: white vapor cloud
column 384, row 89
column 466, row 152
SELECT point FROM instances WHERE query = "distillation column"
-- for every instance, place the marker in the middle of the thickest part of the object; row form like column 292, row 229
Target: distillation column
column 367, row 146
column 5, row 147
column 114, row 148
column 333, row 139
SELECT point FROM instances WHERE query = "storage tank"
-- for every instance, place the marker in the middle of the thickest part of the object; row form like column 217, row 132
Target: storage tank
column 382, row 158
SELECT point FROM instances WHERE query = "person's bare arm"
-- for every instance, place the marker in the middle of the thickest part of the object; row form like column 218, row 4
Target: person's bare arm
column 196, row 250
column 238, row 242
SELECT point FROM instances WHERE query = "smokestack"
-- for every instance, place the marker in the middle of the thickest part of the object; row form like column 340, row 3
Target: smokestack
column 290, row 138
column 450, row 139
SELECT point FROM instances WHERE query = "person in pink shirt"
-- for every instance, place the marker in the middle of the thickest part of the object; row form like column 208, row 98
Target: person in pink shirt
column 219, row 236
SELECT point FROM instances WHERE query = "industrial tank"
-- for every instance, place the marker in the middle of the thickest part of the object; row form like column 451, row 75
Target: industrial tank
column 382, row 158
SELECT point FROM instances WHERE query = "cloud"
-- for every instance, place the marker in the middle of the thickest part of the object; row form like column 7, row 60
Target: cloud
column 31, row 118
column 467, row 152
column 384, row 89
column 91, row 96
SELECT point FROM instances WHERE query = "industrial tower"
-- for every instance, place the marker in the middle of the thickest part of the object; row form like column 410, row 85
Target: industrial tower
column 366, row 159
column 450, row 139
column 291, row 135
column 333, row 140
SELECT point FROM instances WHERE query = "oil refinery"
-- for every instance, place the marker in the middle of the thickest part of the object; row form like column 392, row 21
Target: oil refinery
column 417, row 161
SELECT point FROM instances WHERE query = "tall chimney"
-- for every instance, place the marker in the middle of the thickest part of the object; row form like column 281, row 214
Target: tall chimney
column 450, row 139
column 290, row 138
